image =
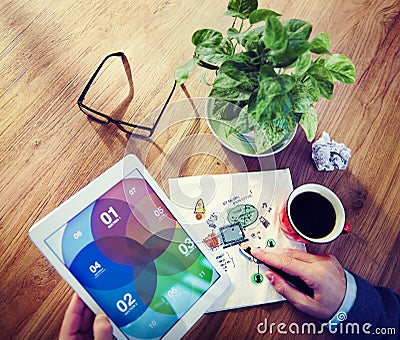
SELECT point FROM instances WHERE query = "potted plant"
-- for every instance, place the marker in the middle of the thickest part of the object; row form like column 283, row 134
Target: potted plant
column 270, row 70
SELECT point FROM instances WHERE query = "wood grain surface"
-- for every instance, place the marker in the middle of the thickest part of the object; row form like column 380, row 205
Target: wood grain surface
column 49, row 149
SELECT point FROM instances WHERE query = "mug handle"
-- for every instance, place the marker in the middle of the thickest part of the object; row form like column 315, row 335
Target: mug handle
column 346, row 228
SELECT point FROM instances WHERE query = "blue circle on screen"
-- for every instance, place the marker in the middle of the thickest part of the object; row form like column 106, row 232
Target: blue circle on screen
column 93, row 269
column 122, row 305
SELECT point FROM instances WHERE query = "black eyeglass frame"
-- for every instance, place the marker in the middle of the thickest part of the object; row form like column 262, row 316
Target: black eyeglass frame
column 119, row 123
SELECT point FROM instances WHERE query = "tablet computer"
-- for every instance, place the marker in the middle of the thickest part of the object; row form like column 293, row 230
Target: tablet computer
column 121, row 246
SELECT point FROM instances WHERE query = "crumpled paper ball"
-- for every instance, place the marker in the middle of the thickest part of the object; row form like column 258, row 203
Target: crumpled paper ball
column 329, row 155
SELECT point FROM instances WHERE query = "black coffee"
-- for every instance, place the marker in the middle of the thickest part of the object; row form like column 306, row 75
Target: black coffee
column 313, row 215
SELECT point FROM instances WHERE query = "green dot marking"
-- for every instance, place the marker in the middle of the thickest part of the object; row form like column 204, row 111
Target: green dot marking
column 257, row 278
column 270, row 243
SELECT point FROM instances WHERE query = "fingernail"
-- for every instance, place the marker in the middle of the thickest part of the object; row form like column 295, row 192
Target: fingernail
column 102, row 317
column 269, row 276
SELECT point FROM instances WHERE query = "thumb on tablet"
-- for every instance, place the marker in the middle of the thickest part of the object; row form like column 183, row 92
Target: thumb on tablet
column 102, row 328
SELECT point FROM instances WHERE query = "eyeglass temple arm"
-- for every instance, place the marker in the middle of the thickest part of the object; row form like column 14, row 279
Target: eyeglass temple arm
column 90, row 82
column 163, row 109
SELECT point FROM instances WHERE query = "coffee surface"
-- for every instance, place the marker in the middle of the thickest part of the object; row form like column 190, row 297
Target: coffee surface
column 313, row 215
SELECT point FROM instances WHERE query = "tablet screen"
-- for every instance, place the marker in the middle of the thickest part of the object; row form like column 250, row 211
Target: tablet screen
column 132, row 256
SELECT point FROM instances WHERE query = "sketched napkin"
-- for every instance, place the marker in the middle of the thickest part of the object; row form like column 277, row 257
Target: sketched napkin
column 328, row 154
column 224, row 210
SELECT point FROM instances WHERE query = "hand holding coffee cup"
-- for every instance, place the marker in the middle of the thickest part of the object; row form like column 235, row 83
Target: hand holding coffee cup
column 313, row 214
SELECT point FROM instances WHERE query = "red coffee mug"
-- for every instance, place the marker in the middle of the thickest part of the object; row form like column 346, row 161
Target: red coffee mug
column 289, row 228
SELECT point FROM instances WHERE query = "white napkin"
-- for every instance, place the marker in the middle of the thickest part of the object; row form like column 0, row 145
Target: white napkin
column 328, row 154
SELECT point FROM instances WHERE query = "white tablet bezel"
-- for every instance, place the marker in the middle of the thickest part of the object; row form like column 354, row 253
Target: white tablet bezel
column 83, row 198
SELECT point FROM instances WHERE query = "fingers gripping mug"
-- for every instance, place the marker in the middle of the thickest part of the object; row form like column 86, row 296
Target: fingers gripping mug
column 313, row 214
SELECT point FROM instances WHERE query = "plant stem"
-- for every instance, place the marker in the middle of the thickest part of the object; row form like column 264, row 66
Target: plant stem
column 304, row 79
column 241, row 26
column 234, row 22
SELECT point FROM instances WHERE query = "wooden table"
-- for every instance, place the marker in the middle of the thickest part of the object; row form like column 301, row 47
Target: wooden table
column 49, row 149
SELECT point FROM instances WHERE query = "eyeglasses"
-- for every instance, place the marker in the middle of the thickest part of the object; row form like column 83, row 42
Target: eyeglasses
column 140, row 131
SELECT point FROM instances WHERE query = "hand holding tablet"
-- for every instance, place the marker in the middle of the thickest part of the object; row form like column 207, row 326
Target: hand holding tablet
column 80, row 322
column 119, row 243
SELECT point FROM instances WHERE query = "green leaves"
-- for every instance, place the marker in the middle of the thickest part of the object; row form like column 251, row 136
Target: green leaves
column 309, row 122
column 211, row 48
column 311, row 84
column 260, row 15
column 323, row 80
column 241, row 8
column 242, row 68
column 275, row 36
column 298, row 32
column 182, row 72
column 271, row 106
column 252, row 40
column 216, row 54
column 207, row 38
column 225, row 110
column 320, row 44
column 237, row 78
column 268, row 69
column 341, row 68
column 270, row 132
column 303, row 63
column 298, row 29
column 287, row 57
column 304, row 109
column 271, row 94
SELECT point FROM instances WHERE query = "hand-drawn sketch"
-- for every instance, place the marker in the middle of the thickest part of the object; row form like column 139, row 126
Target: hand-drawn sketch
column 243, row 209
